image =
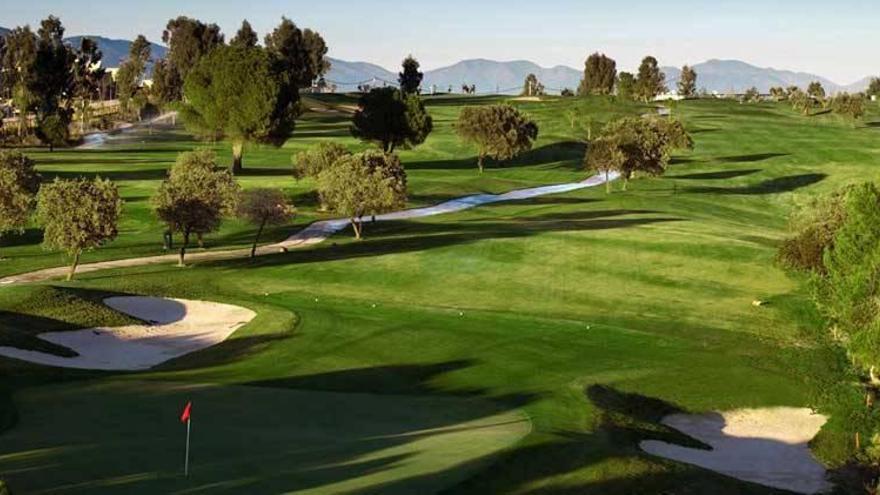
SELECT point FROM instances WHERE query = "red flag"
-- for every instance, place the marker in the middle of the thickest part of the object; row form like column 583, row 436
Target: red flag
column 184, row 417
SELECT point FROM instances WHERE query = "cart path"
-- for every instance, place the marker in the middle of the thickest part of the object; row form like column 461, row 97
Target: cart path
column 317, row 232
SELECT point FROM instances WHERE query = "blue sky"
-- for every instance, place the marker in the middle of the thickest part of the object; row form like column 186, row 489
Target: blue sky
column 833, row 39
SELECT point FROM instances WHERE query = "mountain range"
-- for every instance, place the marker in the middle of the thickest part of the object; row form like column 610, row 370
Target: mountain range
column 115, row 51
column 723, row 76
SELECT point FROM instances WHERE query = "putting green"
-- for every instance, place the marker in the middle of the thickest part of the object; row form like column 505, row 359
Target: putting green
column 124, row 436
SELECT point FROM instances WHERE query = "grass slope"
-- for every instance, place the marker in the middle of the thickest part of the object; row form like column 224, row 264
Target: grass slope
column 593, row 314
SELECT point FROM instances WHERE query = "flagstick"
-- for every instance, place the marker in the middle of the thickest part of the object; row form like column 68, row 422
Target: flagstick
column 186, row 460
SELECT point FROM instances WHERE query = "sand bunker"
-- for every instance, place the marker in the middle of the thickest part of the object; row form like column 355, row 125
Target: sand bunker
column 175, row 327
column 764, row 446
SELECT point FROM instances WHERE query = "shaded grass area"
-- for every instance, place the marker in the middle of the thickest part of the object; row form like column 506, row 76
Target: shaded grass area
column 30, row 311
column 284, row 440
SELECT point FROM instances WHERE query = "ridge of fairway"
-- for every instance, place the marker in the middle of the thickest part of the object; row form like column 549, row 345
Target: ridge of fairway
column 319, row 231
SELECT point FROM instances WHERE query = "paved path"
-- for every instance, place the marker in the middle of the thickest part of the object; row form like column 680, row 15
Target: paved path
column 315, row 233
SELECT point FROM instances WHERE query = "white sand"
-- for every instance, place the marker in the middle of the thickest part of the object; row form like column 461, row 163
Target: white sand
column 764, row 446
column 177, row 327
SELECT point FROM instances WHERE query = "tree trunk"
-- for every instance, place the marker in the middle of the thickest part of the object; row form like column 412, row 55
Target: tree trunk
column 237, row 166
column 180, row 259
column 257, row 238
column 480, row 163
column 607, row 184
column 625, row 181
column 73, row 265
column 355, row 224
column 200, row 240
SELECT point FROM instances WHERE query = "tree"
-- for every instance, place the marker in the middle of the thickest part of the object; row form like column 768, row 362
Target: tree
column 650, row 81
column 752, row 95
column 188, row 40
column 687, row 82
column 166, row 88
column 814, row 227
column 195, row 196
column 600, row 73
column 53, row 130
column 53, row 83
column 646, row 144
column 246, row 36
column 392, row 119
column 410, row 79
column 87, row 75
column 500, row 132
column 320, row 157
column 234, row 93
column 301, row 55
column 5, row 92
column 604, row 156
column 19, row 183
column 131, row 73
column 874, row 87
column 816, row 91
column 801, row 101
column 848, row 105
column 626, row 85
column 19, row 72
column 532, row 87
column 78, row 215
column 778, row 93
column 264, row 207
column 368, row 183
column 847, row 293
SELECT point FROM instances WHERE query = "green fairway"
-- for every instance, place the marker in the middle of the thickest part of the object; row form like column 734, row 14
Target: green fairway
column 592, row 315
column 125, row 438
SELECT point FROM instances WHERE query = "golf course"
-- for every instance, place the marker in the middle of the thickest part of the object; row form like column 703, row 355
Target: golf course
column 519, row 346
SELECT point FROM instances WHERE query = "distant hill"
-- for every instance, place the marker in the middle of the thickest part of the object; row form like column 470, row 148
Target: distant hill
column 348, row 75
column 734, row 76
column 723, row 76
column 487, row 75
column 505, row 77
column 115, row 51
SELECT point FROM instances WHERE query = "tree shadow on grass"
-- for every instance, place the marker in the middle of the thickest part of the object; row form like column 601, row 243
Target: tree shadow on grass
column 756, row 157
column 30, row 237
column 772, row 186
column 282, row 440
column 562, row 151
column 724, row 174
column 623, row 421
column 403, row 379
column 155, row 174
column 409, row 236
